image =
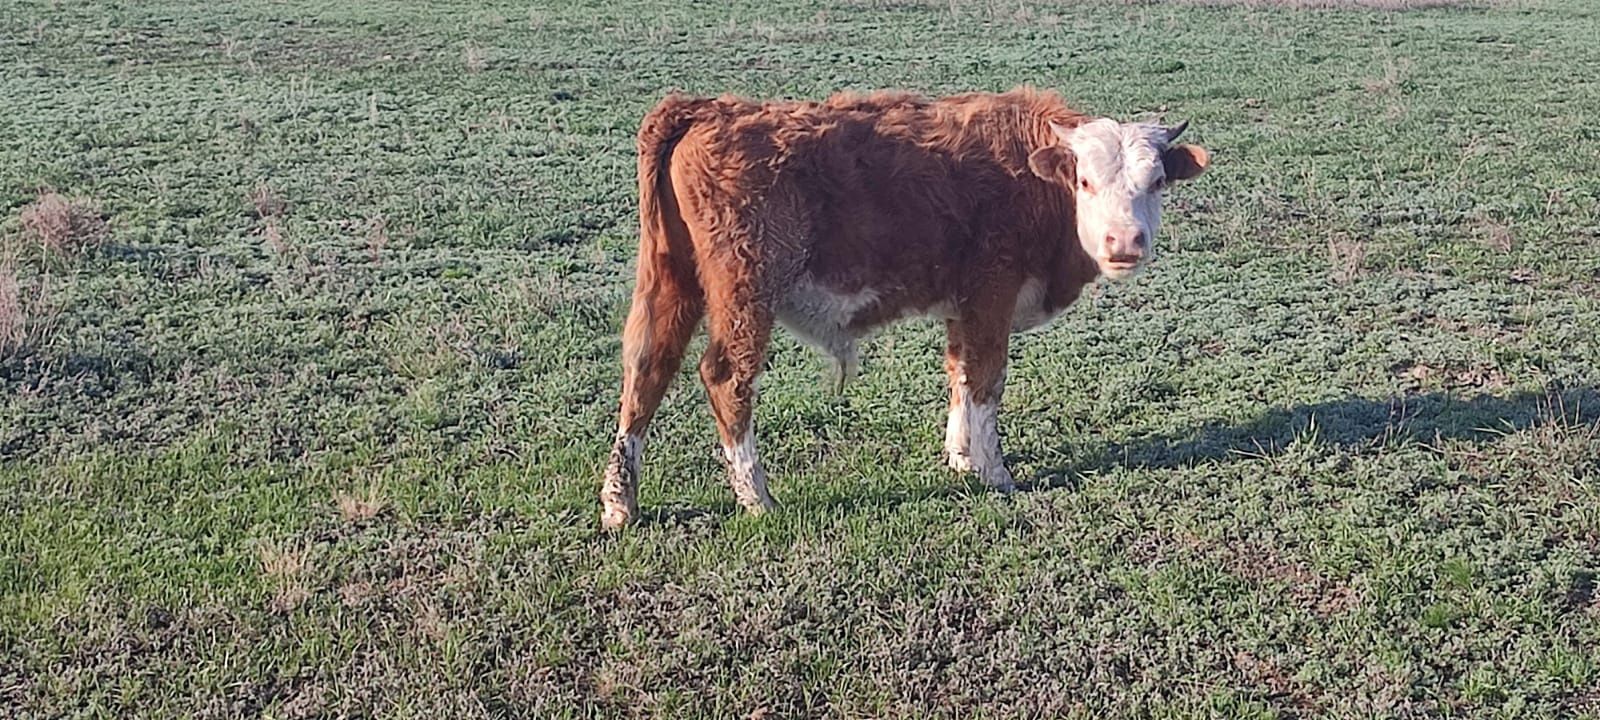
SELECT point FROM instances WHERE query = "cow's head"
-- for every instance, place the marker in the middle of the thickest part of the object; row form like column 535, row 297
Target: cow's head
column 1116, row 172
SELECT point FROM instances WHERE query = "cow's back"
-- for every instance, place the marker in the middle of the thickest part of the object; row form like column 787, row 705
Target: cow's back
column 885, row 185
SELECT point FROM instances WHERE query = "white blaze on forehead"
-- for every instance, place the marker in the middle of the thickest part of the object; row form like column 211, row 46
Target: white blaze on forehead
column 1118, row 157
column 1122, row 166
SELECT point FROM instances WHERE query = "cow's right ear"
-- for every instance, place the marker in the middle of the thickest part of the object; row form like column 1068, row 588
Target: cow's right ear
column 1053, row 163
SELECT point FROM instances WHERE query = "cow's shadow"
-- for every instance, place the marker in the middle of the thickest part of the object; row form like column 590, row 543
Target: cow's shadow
column 1350, row 423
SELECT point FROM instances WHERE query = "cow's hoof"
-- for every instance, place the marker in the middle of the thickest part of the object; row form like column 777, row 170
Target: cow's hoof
column 959, row 461
column 616, row 517
column 999, row 480
column 760, row 506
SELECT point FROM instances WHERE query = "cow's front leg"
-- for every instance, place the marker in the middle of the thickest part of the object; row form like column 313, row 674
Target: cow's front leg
column 975, row 359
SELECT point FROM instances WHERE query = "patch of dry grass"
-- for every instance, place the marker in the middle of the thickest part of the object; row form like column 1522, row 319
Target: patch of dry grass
column 53, row 226
column 361, row 505
column 267, row 203
column 474, row 57
column 377, row 237
column 1347, row 258
column 27, row 314
column 13, row 317
column 272, row 235
column 270, row 208
column 63, row 225
column 1495, row 233
column 285, row 568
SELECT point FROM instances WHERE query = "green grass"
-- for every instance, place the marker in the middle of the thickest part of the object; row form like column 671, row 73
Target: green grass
column 315, row 428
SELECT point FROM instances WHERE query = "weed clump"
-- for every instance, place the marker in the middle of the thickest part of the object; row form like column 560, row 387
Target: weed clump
column 63, row 225
column 53, row 225
column 27, row 315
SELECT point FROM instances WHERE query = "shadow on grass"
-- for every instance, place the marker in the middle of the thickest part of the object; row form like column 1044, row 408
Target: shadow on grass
column 878, row 498
column 1347, row 423
column 1350, row 423
column 855, row 500
column 686, row 515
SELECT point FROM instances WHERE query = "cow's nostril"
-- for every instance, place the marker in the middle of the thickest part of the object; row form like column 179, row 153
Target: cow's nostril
column 1135, row 243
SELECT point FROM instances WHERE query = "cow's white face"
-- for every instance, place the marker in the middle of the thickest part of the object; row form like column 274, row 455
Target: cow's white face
column 1117, row 172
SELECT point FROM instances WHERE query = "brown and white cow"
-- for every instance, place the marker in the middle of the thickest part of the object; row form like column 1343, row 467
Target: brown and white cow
column 990, row 211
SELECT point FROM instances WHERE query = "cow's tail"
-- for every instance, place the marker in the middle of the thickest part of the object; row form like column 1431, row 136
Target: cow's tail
column 662, row 232
column 667, row 299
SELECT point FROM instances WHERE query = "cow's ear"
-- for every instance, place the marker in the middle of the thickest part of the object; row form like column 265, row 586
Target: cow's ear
column 1053, row 163
column 1184, row 162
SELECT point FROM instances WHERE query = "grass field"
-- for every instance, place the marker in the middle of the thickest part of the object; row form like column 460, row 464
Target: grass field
column 310, row 312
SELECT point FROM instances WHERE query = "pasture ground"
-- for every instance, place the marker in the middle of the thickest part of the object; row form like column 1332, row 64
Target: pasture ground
column 310, row 366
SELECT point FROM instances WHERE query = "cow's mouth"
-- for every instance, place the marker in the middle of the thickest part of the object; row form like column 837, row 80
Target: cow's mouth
column 1119, row 269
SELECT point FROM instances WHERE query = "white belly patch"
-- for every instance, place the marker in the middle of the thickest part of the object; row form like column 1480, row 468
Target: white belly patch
column 821, row 318
column 1031, row 312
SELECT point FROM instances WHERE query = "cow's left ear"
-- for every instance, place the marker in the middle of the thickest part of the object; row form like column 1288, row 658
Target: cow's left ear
column 1053, row 163
column 1184, row 162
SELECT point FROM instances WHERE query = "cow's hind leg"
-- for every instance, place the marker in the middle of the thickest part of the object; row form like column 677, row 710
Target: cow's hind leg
column 975, row 359
column 957, row 439
column 666, row 307
column 739, row 328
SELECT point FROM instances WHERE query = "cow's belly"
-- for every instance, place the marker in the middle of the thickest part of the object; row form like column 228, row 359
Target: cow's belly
column 831, row 320
column 1033, row 308
column 822, row 317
